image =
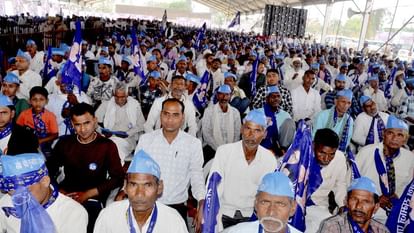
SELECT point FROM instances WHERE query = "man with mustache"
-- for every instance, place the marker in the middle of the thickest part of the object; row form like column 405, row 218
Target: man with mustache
column 242, row 165
column 274, row 204
column 362, row 203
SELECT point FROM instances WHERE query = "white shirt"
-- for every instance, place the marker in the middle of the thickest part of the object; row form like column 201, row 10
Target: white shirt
column 153, row 119
column 403, row 164
column 180, row 162
column 362, row 125
column 36, row 64
column 305, row 104
column 28, row 80
column 251, row 227
column 113, row 219
column 240, row 180
column 378, row 97
column 67, row 215
column 290, row 83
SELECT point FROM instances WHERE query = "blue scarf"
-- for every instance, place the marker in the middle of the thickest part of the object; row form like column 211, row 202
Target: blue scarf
column 344, row 132
column 380, row 127
column 355, row 227
column 387, row 181
column 6, row 131
column 69, row 128
column 272, row 136
column 151, row 224
column 327, row 77
column 39, row 125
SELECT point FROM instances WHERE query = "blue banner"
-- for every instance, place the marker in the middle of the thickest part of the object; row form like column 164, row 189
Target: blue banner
column 200, row 99
column 211, row 205
column 235, row 21
column 400, row 218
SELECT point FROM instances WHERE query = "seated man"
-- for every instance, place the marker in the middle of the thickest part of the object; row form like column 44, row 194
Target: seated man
column 274, row 204
column 27, row 77
column 9, row 88
column 337, row 119
column 121, row 113
column 362, row 202
column 238, row 98
column 376, row 94
column 143, row 211
column 220, row 123
column 306, row 101
column 242, row 165
column 370, row 124
column 49, row 207
column 334, row 179
column 91, row 163
column 281, row 129
column 388, row 164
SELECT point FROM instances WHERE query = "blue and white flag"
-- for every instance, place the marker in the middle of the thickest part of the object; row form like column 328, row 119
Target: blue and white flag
column 48, row 71
column 164, row 22
column 236, row 20
column 300, row 165
column 200, row 36
column 401, row 218
column 211, row 205
column 272, row 62
column 72, row 70
column 173, row 65
column 136, row 57
column 388, row 87
column 200, row 99
column 351, row 160
column 253, row 76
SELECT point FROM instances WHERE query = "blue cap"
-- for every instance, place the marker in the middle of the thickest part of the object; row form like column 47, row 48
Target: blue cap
column 182, row 58
column 11, row 78
column 143, row 163
column 24, row 55
column 363, row 99
column 126, row 59
column 345, row 93
column 231, row 56
column 253, row 53
column 280, row 57
column 11, row 60
column 155, row 74
column 192, row 77
column 272, row 89
column 128, row 37
column 363, row 183
column 409, row 81
column 104, row 61
column 256, row 116
column 30, row 42
column 58, row 51
column 277, row 184
column 341, row 77
column 230, row 75
column 105, row 49
column 64, row 47
column 152, row 58
column 373, row 77
column 5, row 101
column 315, row 66
column 375, row 66
column 84, row 42
column 322, row 61
column 21, row 170
column 225, row 89
column 395, row 123
column 344, row 65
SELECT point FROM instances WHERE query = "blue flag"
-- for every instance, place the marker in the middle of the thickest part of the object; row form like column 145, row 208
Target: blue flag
column 164, row 22
column 72, row 70
column 200, row 99
column 236, row 20
column 272, row 61
column 173, row 66
column 388, row 86
column 48, row 71
column 253, row 76
column 300, row 165
column 211, row 204
column 399, row 220
column 136, row 57
column 351, row 160
column 200, row 36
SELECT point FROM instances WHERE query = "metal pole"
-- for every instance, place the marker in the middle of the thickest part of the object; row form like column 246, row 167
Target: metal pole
column 365, row 19
column 339, row 25
column 392, row 24
column 392, row 37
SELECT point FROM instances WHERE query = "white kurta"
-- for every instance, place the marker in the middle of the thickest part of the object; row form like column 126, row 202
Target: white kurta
column 36, row 64
column 251, row 227
column 28, row 80
column 378, row 97
column 290, row 83
column 240, row 180
column 362, row 125
column 67, row 215
column 113, row 219
column 305, row 104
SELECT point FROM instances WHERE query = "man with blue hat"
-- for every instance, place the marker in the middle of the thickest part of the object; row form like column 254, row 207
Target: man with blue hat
column 373, row 91
column 343, row 69
column 143, row 212
column 274, row 204
column 362, row 203
column 163, row 67
column 45, row 208
column 114, row 57
column 337, row 118
column 407, row 107
column 9, row 88
column 7, row 115
column 388, row 164
column 58, row 58
column 102, row 86
column 28, row 78
column 152, row 64
column 192, row 83
column 148, row 93
column 126, row 49
column 36, row 62
column 180, row 68
column 220, row 123
column 126, row 74
column 281, row 129
column 238, row 98
column 242, row 165
column 370, row 124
